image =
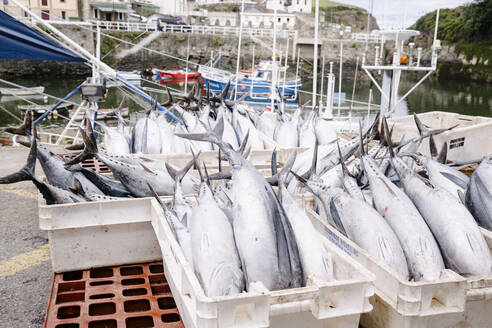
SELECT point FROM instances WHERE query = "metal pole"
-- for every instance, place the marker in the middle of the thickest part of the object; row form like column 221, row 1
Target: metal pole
column 253, row 59
column 68, row 96
column 272, row 93
column 353, row 88
column 187, row 61
column 285, row 67
column 315, row 60
column 340, row 79
column 239, row 47
column 369, row 104
column 322, row 82
column 297, row 68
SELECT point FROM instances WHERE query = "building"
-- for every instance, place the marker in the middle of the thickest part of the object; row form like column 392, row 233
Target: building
column 291, row 6
column 213, row 2
column 259, row 17
column 46, row 9
column 110, row 10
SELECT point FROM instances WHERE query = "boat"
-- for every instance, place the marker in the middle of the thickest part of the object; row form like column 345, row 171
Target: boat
column 255, row 86
column 41, row 109
column 173, row 75
column 21, row 92
column 101, row 113
column 134, row 78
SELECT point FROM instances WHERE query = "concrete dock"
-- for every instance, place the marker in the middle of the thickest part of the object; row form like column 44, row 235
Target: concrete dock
column 25, row 267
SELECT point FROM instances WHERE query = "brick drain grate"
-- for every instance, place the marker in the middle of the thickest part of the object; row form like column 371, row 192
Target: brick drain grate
column 130, row 296
column 92, row 163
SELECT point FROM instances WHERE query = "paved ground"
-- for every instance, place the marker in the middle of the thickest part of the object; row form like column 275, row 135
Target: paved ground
column 25, row 269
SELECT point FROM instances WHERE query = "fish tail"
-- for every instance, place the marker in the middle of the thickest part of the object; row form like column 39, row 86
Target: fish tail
column 28, row 171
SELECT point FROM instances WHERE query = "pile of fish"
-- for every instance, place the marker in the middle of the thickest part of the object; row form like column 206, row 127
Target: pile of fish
column 233, row 236
column 155, row 134
column 414, row 213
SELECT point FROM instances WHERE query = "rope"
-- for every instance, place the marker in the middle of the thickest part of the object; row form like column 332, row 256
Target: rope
column 11, row 114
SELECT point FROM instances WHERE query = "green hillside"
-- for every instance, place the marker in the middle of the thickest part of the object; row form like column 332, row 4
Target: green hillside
column 469, row 23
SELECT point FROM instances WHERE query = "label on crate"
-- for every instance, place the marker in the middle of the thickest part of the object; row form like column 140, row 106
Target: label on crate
column 342, row 244
column 456, row 143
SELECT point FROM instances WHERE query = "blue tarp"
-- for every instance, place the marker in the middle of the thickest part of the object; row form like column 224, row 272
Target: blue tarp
column 18, row 41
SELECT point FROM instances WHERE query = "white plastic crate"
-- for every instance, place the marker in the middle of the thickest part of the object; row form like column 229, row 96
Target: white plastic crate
column 469, row 140
column 402, row 303
column 321, row 304
column 98, row 234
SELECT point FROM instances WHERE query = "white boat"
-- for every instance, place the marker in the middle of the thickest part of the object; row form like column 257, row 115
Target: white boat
column 133, row 77
column 21, row 92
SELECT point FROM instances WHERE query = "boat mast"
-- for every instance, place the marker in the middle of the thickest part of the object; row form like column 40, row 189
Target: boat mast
column 239, row 47
column 315, row 60
column 272, row 93
column 340, row 78
column 187, row 62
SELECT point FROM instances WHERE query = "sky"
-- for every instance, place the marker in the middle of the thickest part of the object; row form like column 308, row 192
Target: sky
column 395, row 9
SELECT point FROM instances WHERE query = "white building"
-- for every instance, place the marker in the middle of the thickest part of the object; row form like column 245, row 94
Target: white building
column 295, row 6
column 259, row 17
column 212, row 2
column 171, row 7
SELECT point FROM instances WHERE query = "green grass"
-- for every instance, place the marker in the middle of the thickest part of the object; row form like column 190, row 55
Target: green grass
column 330, row 4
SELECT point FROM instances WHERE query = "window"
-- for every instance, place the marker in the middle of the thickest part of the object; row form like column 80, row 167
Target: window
column 44, row 2
column 95, row 13
column 279, row 20
column 64, row 15
column 62, row 1
column 45, row 14
column 121, row 16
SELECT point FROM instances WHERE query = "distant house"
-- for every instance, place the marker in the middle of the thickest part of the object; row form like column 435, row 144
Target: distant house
column 46, row 9
column 291, row 6
column 259, row 17
column 115, row 11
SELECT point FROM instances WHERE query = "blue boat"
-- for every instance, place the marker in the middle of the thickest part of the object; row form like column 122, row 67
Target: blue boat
column 256, row 85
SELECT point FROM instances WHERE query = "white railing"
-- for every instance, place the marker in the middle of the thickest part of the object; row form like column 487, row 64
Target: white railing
column 366, row 37
column 225, row 31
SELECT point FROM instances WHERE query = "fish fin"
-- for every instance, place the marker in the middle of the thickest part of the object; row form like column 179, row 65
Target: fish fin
column 206, row 175
column 90, row 148
column 432, row 147
column 221, row 175
column 284, row 172
column 184, row 220
column 462, row 197
column 178, row 175
column 314, row 161
column 273, row 164
column 388, row 142
column 242, row 148
column 28, row 171
column 423, row 131
column 209, row 136
column 25, row 129
column 77, row 188
column 443, row 154
column 147, row 169
column 79, row 146
column 454, row 179
column 345, row 171
column 336, row 217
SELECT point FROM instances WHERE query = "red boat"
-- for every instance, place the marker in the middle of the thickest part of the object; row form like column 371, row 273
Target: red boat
column 174, row 75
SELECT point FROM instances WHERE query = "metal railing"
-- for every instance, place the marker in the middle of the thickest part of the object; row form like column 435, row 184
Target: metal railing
column 366, row 37
column 225, row 31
